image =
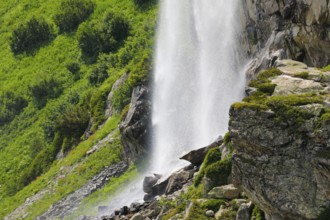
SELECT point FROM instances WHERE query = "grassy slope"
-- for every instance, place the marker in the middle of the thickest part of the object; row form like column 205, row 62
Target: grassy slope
column 23, row 138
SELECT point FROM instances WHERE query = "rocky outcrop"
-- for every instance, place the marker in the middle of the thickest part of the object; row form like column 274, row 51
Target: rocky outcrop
column 287, row 29
column 67, row 205
column 282, row 144
column 135, row 127
column 196, row 157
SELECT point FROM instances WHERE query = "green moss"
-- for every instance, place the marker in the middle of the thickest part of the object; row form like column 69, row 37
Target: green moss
column 326, row 68
column 258, row 214
column 212, row 204
column 249, row 105
column 324, row 154
column 267, row 88
column 293, row 100
column 325, row 118
column 197, row 212
column 302, row 75
column 227, row 138
column 212, row 156
column 266, row 74
column 219, row 172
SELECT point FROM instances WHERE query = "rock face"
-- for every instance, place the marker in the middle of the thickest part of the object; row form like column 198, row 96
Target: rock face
column 135, row 127
column 287, row 29
column 196, row 157
column 282, row 148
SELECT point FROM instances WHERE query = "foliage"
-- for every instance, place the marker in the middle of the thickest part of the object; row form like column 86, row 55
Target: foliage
column 10, row 106
column 258, row 214
column 46, row 86
column 105, row 37
column 30, row 35
column 71, row 13
column 98, row 75
column 326, row 68
column 44, row 89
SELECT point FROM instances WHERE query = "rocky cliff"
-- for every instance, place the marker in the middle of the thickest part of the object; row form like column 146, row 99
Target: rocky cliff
column 280, row 135
column 287, row 29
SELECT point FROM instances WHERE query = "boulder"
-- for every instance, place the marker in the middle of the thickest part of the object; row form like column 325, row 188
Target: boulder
column 196, row 157
column 149, row 182
column 209, row 213
column 244, row 212
column 135, row 127
column 224, row 192
column 281, row 161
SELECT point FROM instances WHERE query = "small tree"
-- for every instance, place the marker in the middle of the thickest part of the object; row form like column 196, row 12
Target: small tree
column 72, row 13
column 30, row 35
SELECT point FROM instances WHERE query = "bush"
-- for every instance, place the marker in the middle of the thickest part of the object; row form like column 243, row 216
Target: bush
column 98, row 75
column 43, row 90
column 72, row 13
column 10, row 106
column 30, row 35
column 103, row 38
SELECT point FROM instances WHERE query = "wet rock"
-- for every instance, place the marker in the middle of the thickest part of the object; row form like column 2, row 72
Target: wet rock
column 135, row 127
column 149, row 182
column 196, row 157
column 225, row 192
column 102, row 210
column 178, row 179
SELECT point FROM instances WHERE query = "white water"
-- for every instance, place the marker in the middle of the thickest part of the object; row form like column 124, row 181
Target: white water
column 198, row 75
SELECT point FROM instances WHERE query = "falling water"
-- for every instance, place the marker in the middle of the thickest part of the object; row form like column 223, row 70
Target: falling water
column 197, row 76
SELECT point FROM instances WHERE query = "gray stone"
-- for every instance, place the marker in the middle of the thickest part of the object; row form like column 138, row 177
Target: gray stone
column 244, row 211
column 135, row 127
column 196, row 157
column 137, row 216
column 209, row 213
column 225, row 192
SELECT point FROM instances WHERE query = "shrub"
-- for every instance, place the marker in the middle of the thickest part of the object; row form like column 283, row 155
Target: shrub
column 103, row 38
column 72, row 13
column 10, row 106
column 89, row 40
column 43, row 90
column 74, row 69
column 30, row 35
column 98, row 75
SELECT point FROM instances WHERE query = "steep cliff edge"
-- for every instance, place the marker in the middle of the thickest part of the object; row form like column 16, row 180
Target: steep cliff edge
column 281, row 139
column 287, row 29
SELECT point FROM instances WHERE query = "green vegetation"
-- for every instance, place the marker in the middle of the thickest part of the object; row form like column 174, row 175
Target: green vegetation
column 71, row 13
column 302, row 75
column 258, row 214
column 50, row 90
column 326, row 68
column 30, row 35
column 263, row 82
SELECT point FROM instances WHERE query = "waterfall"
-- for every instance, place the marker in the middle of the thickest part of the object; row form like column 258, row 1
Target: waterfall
column 198, row 75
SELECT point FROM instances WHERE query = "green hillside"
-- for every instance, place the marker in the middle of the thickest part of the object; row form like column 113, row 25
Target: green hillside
column 58, row 62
